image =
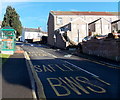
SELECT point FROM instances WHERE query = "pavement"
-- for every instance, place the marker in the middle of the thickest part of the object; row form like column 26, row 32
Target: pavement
column 66, row 76
column 16, row 84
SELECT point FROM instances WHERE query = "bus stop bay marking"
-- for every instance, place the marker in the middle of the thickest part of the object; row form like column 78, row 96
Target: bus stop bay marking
column 52, row 68
column 63, row 86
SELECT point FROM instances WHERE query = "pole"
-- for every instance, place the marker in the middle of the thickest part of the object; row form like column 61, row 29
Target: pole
column 78, row 36
column 101, row 26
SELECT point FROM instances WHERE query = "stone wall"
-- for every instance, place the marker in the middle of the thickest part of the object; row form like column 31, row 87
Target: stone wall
column 107, row 48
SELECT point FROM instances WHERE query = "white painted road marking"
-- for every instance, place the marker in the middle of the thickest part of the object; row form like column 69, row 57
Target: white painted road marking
column 67, row 56
column 49, row 54
column 81, row 69
column 72, row 65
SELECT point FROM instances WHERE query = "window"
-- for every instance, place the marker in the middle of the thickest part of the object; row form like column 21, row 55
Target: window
column 59, row 21
column 71, row 19
column 110, row 19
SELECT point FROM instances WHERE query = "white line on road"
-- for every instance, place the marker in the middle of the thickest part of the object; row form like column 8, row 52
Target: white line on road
column 49, row 54
column 81, row 69
column 73, row 65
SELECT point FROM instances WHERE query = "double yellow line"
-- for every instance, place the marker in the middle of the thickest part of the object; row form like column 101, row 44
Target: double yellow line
column 103, row 64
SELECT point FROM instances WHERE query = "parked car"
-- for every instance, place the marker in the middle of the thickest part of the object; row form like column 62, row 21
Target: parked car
column 101, row 36
column 25, row 41
column 86, row 38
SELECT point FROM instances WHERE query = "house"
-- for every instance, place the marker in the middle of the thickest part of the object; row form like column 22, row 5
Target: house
column 32, row 34
column 100, row 26
column 115, row 25
column 78, row 21
column 78, row 26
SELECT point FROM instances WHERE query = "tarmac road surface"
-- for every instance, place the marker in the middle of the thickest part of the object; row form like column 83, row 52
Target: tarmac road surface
column 65, row 76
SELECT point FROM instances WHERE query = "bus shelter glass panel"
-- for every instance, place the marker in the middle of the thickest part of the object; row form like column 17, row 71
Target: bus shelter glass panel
column 8, row 39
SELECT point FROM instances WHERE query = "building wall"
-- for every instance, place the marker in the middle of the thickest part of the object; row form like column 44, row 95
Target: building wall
column 73, row 34
column 31, row 35
column 101, row 27
column 78, row 31
column 82, row 32
column 119, row 25
column 59, row 41
column 89, row 18
column 65, row 20
column 50, row 27
column 106, row 27
column 57, row 21
column 23, row 35
column 116, row 26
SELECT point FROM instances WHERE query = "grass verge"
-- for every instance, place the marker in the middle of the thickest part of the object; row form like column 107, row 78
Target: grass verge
column 3, row 58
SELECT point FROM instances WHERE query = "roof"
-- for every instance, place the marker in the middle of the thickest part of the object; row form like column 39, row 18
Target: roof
column 83, row 13
column 44, row 32
column 98, row 20
column 32, row 29
column 94, row 21
column 116, row 21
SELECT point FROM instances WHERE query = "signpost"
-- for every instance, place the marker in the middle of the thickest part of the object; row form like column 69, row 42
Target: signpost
column 8, row 40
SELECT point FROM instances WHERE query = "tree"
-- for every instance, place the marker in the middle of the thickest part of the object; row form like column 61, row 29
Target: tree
column 11, row 18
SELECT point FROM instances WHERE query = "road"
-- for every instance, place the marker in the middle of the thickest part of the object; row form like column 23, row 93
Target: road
column 65, row 76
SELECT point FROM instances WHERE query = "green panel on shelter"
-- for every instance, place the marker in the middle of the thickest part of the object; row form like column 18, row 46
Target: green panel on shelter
column 8, row 38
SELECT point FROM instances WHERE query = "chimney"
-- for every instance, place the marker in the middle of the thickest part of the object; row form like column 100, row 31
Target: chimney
column 39, row 28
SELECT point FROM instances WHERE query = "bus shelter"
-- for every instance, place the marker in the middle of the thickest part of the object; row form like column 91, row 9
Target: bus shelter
column 8, row 38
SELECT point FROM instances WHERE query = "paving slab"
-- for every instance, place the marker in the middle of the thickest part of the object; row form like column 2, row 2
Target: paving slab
column 15, row 79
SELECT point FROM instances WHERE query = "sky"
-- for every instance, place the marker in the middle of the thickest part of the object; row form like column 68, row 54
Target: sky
column 35, row 14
